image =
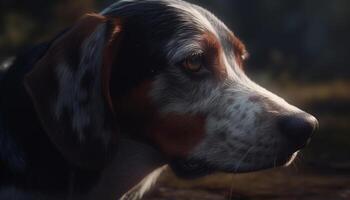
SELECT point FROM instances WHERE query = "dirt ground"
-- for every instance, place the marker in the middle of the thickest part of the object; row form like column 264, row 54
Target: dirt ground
column 278, row 184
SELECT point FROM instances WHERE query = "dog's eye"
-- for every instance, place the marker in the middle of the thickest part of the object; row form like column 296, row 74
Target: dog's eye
column 193, row 63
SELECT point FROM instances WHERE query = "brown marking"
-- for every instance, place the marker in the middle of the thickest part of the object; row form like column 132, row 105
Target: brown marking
column 110, row 51
column 106, row 76
column 254, row 99
column 239, row 49
column 213, row 54
column 137, row 101
column 178, row 134
column 174, row 134
column 71, row 45
column 231, row 101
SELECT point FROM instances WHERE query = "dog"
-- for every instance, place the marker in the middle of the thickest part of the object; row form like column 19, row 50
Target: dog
column 140, row 85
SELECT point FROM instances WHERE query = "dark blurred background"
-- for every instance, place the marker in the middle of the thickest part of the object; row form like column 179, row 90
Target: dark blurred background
column 299, row 49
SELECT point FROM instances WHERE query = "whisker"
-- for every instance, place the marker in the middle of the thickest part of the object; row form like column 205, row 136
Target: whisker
column 295, row 164
column 243, row 157
column 275, row 153
column 231, row 189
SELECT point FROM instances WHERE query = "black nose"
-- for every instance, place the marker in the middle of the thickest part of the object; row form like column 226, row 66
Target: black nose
column 299, row 128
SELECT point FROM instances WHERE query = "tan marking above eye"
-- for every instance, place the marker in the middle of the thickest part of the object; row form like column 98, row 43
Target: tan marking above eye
column 245, row 55
column 193, row 63
column 240, row 50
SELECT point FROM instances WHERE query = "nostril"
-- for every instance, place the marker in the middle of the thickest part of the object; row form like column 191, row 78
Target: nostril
column 299, row 128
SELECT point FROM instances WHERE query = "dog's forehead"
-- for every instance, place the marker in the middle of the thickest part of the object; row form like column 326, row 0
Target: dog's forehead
column 177, row 14
column 175, row 26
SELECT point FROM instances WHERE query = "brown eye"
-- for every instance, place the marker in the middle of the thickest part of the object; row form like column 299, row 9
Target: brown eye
column 193, row 63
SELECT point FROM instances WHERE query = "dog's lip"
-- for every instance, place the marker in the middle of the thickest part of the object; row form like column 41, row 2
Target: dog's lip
column 281, row 161
column 190, row 169
column 195, row 168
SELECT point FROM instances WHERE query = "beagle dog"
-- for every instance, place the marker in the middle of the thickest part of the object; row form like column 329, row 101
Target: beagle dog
column 143, row 84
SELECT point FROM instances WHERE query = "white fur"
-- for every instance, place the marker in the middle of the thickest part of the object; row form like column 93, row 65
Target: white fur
column 144, row 186
column 194, row 16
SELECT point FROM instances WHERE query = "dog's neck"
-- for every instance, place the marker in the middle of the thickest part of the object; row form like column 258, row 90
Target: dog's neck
column 133, row 162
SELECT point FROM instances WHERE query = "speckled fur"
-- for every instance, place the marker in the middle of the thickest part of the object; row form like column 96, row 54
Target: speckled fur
column 83, row 101
column 241, row 132
column 112, row 95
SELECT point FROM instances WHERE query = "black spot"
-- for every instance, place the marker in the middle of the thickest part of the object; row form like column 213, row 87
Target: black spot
column 86, row 60
column 255, row 99
column 249, row 159
column 230, row 101
column 242, row 151
column 258, row 120
column 87, row 81
column 222, row 136
column 231, row 146
column 237, row 107
column 66, row 121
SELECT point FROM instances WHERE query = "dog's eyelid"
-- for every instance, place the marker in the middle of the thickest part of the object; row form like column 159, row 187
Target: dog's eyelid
column 197, row 53
column 188, row 55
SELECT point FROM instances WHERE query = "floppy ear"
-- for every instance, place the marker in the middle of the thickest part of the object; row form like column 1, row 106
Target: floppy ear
column 70, row 92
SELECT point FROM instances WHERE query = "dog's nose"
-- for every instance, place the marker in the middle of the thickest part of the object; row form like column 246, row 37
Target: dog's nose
column 299, row 128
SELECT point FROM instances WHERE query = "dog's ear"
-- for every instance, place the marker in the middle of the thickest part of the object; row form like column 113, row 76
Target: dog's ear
column 69, row 87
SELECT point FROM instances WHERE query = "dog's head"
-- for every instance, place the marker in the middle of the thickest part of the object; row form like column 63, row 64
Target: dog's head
column 169, row 74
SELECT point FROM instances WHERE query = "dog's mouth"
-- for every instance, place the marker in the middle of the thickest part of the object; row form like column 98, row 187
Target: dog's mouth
column 275, row 162
column 195, row 168
column 192, row 168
